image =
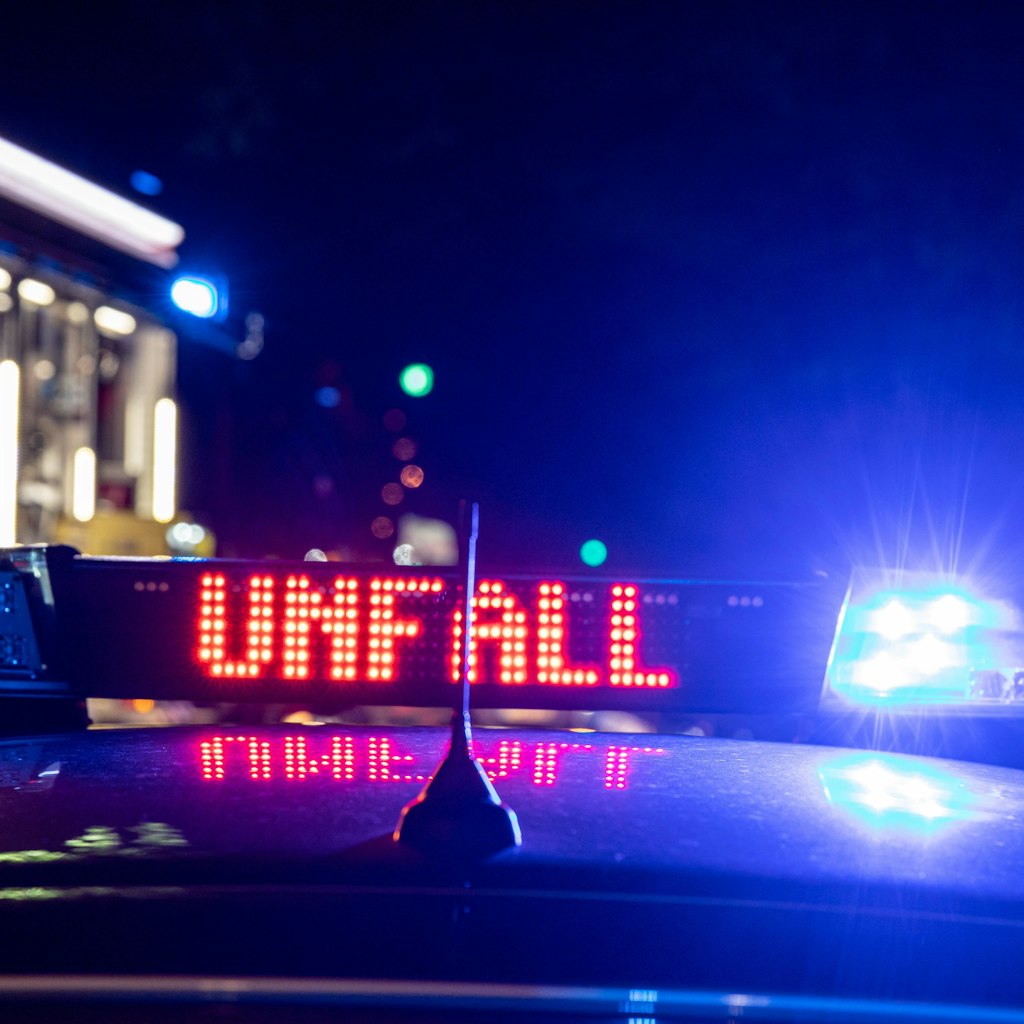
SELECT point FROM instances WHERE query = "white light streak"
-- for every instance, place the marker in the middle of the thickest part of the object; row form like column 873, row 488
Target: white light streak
column 63, row 196
column 165, row 442
column 83, row 486
column 10, row 392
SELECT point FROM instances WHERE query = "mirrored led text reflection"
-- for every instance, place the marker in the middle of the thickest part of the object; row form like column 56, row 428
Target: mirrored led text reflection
column 385, row 759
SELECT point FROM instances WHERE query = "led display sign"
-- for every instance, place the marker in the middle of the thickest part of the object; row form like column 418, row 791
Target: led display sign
column 360, row 629
column 337, row 635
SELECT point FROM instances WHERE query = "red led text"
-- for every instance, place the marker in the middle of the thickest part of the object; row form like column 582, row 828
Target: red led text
column 373, row 630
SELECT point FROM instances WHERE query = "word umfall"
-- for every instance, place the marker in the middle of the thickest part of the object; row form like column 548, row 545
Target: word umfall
column 357, row 629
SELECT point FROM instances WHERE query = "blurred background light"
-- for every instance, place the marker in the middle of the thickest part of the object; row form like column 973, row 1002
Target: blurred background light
column 10, row 392
column 36, row 292
column 44, row 369
column 382, row 527
column 404, row 449
column 411, row 476
column 58, row 193
column 83, row 485
column 76, row 312
column 145, row 183
column 165, row 441
column 593, row 553
column 392, row 494
column 114, row 321
column 328, row 397
column 416, row 380
column 5, row 279
column 196, row 295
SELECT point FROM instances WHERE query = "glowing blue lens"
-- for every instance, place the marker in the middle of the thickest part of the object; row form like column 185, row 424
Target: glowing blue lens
column 196, row 295
column 925, row 641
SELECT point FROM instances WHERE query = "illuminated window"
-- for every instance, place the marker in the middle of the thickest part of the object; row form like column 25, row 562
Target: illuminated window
column 625, row 642
column 552, row 641
column 507, row 630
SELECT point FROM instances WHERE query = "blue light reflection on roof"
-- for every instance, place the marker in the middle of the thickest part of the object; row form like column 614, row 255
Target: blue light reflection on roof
column 886, row 792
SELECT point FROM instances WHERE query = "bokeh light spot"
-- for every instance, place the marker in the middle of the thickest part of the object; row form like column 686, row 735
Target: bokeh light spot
column 404, row 449
column 411, row 476
column 392, row 494
column 593, row 553
column 382, row 527
column 416, row 380
column 328, row 397
column 146, row 183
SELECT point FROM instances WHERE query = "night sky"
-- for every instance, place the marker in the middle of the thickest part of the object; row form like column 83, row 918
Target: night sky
column 734, row 287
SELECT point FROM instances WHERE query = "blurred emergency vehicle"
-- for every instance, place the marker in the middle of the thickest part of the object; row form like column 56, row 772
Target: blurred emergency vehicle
column 88, row 417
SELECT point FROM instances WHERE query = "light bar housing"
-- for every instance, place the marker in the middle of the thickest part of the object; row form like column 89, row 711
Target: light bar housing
column 333, row 633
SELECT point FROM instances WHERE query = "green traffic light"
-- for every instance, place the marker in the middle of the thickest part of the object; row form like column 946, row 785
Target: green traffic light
column 416, row 380
column 593, row 553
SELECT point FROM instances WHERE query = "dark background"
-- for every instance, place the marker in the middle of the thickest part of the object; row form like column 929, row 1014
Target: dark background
column 734, row 287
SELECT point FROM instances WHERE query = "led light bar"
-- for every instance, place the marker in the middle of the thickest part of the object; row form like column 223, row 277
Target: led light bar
column 920, row 638
column 333, row 632
column 31, row 181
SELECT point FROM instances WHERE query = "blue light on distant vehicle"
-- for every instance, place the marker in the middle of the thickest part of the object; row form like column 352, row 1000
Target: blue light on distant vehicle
column 888, row 792
column 196, row 295
column 145, row 183
column 925, row 640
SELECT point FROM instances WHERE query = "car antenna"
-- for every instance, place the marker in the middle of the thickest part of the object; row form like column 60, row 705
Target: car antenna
column 459, row 813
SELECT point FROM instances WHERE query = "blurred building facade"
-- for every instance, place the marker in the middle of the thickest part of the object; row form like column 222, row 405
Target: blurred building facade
column 88, row 418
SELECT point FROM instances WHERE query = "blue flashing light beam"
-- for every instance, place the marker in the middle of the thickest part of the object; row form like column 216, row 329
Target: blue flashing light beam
column 196, row 295
column 926, row 641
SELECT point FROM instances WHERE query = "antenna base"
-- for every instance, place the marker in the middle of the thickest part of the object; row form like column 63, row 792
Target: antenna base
column 459, row 814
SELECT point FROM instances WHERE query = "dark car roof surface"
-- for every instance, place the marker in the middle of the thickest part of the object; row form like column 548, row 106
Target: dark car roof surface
column 646, row 860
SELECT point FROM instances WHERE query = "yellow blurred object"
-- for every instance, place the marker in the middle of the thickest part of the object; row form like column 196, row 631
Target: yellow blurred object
column 113, row 533
column 143, row 707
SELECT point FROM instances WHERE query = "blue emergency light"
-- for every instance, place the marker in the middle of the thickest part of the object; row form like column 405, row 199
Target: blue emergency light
column 923, row 639
column 198, row 296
